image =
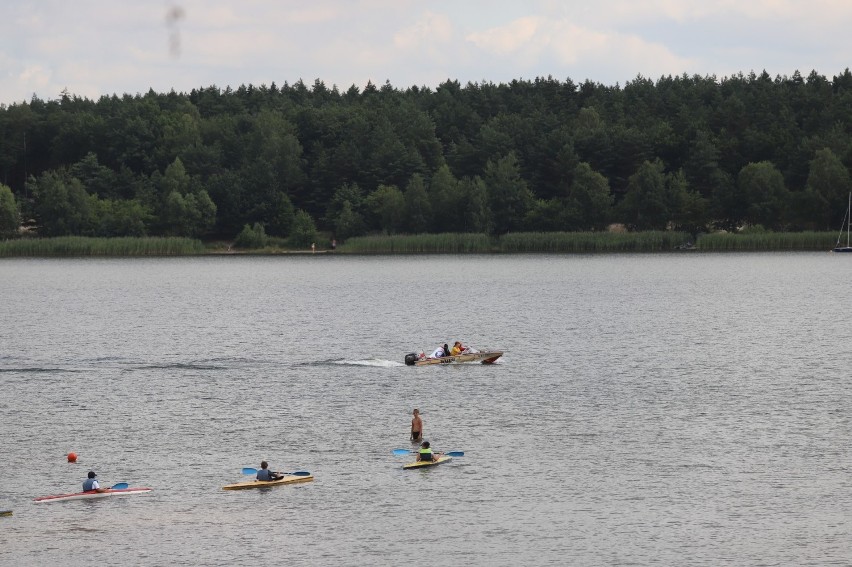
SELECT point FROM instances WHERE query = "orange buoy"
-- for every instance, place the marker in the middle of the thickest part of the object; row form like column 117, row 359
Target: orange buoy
column 72, row 457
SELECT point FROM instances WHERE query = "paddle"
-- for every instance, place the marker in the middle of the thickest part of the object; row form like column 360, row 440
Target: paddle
column 248, row 470
column 449, row 454
column 119, row 486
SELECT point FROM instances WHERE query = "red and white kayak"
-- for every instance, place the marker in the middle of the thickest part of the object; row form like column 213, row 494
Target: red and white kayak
column 93, row 494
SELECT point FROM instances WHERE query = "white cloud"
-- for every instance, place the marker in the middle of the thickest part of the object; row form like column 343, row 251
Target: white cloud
column 528, row 40
column 430, row 29
column 121, row 47
column 24, row 81
column 511, row 38
column 616, row 13
column 37, row 76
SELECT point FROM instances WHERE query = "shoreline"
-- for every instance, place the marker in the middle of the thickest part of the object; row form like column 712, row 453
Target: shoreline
column 660, row 242
column 325, row 253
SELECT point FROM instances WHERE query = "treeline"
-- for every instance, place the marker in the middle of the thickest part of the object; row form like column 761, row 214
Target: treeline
column 684, row 153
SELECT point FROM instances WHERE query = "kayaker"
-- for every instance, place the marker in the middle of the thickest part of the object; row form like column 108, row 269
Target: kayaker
column 426, row 454
column 91, row 484
column 416, row 426
column 265, row 474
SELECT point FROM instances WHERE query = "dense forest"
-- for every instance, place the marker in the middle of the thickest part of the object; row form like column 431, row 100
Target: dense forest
column 683, row 153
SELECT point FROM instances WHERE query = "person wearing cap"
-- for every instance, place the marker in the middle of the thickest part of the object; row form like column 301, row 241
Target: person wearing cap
column 265, row 474
column 90, row 484
column 426, row 454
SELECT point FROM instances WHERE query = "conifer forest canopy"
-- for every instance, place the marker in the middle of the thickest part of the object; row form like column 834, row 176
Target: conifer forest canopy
column 689, row 153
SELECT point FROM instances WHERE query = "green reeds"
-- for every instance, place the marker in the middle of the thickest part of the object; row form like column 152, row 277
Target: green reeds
column 85, row 246
column 719, row 242
column 450, row 243
column 447, row 243
column 591, row 242
column 519, row 242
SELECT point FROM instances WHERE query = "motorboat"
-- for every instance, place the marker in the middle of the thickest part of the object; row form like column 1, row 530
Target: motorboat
column 484, row 357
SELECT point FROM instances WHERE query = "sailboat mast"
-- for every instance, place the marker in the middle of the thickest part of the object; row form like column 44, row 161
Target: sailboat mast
column 849, row 216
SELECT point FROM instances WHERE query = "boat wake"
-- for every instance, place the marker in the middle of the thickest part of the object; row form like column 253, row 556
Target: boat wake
column 38, row 369
column 377, row 362
column 178, row 366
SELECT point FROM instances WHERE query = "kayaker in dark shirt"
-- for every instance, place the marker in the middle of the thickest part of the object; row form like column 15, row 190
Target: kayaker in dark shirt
column 265, row 474
column 91, row 484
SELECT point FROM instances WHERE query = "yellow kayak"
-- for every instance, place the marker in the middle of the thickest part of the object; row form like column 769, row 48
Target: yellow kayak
column 424, row 464
column 289, row 479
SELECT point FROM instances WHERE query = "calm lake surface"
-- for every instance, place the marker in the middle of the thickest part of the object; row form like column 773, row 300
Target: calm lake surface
column 683, row 409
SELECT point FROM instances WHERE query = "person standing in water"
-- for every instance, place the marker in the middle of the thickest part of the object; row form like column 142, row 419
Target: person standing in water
column 416, row 427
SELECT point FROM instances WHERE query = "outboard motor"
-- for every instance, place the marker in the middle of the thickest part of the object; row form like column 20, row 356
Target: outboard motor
column 410, row 358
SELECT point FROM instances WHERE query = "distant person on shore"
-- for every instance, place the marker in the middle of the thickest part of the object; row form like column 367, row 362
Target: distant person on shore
column 416, row 427
column 313, row 247
column 265, row 474
column 333, row 244
column 91, row 484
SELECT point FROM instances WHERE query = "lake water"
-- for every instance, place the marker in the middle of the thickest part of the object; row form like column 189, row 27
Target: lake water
column 683, row 409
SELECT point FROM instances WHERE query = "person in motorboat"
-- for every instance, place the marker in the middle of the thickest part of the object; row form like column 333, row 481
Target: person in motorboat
column 265, row 474
column 457, row 349
column 416, row 427
column 437, row 353
column 446, row 350
column 426, row 453
column 467, row 349
column 91, row 483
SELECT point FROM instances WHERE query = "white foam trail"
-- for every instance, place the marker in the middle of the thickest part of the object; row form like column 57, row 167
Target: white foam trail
column 370, row 362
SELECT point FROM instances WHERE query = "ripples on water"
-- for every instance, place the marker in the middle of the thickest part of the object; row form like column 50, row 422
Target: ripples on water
column 668, row 410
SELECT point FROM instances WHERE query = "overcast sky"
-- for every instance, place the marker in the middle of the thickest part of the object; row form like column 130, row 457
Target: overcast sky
column 97, row 47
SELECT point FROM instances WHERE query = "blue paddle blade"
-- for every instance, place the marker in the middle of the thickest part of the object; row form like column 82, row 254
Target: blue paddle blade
column 119, row 486
column 249, row 470
column 402, row 451
column 455, row 454
column 299, row 473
